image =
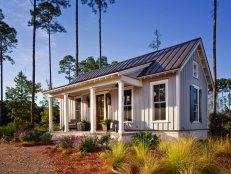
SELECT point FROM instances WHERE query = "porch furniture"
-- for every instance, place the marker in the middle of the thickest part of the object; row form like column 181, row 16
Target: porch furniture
column 114, row 125
column 72, row 124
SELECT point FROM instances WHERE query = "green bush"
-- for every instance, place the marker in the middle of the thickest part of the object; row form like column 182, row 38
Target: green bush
column 7, row 131
column 88, row 144
column 66, row 141
column 5, row 138
column 220, row 124
column 46, row 137
column 145, row 138
column 104, row 140
column 27, row 136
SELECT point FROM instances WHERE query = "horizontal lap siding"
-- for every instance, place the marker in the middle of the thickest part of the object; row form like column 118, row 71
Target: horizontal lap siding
column 187, row 79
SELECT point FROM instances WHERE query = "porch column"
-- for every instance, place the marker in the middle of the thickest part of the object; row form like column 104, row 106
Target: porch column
column 92, row 110
column 121, row 106
column 66, row 112
column 61, row 113
column 50, row 106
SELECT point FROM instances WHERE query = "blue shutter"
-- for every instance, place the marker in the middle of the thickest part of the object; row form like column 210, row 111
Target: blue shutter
column 192, row 117
column 200, row 103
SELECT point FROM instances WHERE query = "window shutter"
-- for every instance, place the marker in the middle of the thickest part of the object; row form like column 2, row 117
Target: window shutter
column 192, row 103
column 200, row 103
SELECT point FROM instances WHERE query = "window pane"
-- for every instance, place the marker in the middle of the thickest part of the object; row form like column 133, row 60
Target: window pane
column 195, row 96
column 156, row 93
column 129, row 113
column 196, row 116
column 78, row 115
column 163, row 111
column 156, row 111
column 127, row 97
column 162, row 92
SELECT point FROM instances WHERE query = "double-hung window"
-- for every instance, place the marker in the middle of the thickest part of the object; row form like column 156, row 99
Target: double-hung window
column 128, row 105
column 195, row 102
column 159, row 100
column 195, row 69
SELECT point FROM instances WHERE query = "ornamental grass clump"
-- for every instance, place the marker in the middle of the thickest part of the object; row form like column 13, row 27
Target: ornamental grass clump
column 115, row 158
column 147, row 161
column 179, row 155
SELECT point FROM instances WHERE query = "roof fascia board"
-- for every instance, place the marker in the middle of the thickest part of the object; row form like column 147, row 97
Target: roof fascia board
column 67, row 87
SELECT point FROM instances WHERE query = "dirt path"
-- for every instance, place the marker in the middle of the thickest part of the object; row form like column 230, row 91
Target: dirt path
column 23, row 160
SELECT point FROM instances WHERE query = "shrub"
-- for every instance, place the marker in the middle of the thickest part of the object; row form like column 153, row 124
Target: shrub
column 146, row 138
column 7, row 131
column 26, row 135
column 220, row 124
column 5, row 138
column 46, row 137
column 66, row 141
column 115, row 158
column 104, row 140
column 88, row 144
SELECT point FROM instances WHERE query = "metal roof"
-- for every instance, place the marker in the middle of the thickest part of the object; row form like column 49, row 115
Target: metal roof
column 162, row 60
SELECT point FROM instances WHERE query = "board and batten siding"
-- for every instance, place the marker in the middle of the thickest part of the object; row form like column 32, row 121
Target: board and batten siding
column 187, row 79
column 143, row 117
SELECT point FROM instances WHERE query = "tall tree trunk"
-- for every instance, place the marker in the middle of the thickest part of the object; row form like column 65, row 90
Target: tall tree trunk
column 69, row 74
column 49, row 34
column 214, row 58
column 77, row 38
column 100, row 43
column 33, row 69
column 1, row 104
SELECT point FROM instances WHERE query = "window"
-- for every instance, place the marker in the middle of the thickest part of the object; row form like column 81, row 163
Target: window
column 78, row 109
column 195, row 69
column 195, row 97
column 128, row 105
column 159, row 101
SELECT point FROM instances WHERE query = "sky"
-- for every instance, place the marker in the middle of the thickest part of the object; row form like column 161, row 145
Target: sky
column 127, row 30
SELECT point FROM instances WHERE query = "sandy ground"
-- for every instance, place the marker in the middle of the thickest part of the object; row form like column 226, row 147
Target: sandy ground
column 20, row 160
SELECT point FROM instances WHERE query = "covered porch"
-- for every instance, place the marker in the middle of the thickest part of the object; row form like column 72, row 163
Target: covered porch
column 110, row 97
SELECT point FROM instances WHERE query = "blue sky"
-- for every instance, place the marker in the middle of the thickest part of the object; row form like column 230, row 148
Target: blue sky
column 127, row 30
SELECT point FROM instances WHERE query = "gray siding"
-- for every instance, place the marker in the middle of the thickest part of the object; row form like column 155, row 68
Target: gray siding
column 187, row 79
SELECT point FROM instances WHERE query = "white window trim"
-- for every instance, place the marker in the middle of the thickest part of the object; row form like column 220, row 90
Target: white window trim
column 198, row 101
column 195, row 63
column 132, row 103
column 81, row 106
column 151, row 100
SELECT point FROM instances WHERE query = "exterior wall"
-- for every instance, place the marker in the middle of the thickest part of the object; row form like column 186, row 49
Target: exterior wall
column 142, row 106
column 187, row 79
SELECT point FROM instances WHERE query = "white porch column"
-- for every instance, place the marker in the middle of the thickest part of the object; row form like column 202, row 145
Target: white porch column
column 61, row 113
column 121, row 106
column 66, row 112
column 92, row 110
column 50, row 106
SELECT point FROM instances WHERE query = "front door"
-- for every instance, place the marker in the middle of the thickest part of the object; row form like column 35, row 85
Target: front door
column 99, row 111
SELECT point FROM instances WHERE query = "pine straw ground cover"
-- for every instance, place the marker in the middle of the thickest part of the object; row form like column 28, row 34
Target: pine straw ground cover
column 71, row 161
